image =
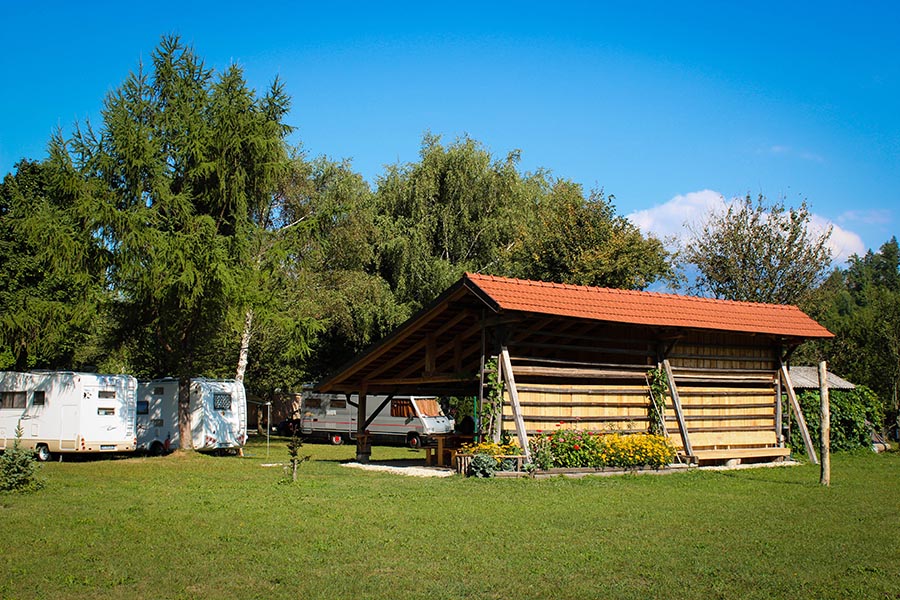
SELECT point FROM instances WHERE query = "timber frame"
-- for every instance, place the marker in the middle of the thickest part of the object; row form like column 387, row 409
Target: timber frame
column 571, row 371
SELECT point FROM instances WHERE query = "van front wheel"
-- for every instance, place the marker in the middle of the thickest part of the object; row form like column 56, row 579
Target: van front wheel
column 42, row 452
column 414, row 441
column 336, row 439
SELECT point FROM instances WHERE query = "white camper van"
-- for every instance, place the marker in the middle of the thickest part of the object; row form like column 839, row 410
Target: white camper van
column 218, row 415
column 63, row 411
column 408, row 419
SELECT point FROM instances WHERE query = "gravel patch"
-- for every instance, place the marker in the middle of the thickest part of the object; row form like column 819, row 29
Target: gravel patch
column 409, row 471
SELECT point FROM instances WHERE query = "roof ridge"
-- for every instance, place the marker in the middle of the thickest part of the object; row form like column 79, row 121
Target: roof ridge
column 622, row 291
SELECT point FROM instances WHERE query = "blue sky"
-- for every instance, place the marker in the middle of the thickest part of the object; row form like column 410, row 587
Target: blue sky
column 671, row 107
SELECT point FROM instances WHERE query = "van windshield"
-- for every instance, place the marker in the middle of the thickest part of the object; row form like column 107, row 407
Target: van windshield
column 429, row 407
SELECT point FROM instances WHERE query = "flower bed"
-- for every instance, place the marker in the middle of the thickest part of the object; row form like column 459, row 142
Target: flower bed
column 568, row 451
column 586, row 449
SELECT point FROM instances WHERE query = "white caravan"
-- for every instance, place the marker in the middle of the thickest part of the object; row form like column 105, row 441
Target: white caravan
column 408, row 419
column 218, row 410
column 63, row 412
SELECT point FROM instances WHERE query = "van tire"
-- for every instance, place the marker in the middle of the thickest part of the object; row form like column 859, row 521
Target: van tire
column 42, row 452
column 156, row 449
column 414, row 441
column 336, row 439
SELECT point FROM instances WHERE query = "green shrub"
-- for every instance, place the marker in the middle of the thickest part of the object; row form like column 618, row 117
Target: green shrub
column 482, row 465
column 18, row 468
column 850, row 411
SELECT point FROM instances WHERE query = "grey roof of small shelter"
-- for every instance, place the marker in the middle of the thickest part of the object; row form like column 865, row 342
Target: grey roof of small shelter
column 808, row 378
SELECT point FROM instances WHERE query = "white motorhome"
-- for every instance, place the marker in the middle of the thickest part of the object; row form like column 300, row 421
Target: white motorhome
column 408, row 419
column 64, row 411
column 218, row 410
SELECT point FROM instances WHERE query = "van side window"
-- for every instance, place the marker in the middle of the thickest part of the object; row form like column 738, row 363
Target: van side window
column 158, row 391
column 338, row 404
column 12, row 399
column 143, row 407
column 106, row 411
column 429, row 407
column 402, row 407
column 313, row 403
column 222, row 401
column 107, row 394
column 40, row 398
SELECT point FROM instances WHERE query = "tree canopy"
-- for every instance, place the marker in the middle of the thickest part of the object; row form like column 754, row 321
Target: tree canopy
column 758, row 251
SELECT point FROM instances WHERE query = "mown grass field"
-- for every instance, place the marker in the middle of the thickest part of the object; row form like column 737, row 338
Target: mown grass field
column 194, row 526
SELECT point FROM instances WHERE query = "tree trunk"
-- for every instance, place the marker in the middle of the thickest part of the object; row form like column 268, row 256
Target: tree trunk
column 245, row 346
column 185, row 439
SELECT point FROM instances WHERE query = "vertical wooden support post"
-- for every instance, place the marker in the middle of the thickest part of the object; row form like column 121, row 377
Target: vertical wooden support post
column 779, row 410
column 497, row 433
column 514, row 402
column 825, row 438
column 480, row 402
column 679, row 414
column 798, row 414
column 363, row 443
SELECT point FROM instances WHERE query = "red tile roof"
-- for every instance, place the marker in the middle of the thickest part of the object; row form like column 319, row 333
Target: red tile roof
column 646, row 308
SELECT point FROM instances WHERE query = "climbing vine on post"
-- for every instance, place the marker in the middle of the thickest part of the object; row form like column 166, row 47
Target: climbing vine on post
column 491, row 409
column 659, row 391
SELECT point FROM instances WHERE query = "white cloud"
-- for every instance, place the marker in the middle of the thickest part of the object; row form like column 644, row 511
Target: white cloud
column 672, row 221
column 789, row 152
column 882, row 216
column 842, row 243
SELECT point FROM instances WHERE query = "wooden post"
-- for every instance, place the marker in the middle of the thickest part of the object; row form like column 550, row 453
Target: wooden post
column 679, row 414
column 514, row 402
column 480, row 399
column 825, row 438
column 363, row 444
column 801, row 421
column 779, row 411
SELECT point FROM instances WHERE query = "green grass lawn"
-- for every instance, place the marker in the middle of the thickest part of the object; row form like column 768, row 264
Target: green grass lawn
column 194, row 526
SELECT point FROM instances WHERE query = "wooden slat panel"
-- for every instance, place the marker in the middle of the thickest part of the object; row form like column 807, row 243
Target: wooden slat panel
column 702, row 440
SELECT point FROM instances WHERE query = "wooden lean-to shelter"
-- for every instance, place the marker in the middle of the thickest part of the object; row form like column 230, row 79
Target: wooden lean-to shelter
column 578, row 357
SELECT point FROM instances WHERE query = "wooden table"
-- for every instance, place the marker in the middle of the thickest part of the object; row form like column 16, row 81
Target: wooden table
column 445, row 443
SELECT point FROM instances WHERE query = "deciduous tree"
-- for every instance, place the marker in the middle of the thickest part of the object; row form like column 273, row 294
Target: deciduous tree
column 758, row 251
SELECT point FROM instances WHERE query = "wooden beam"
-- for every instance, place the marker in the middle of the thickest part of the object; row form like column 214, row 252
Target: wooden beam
column 429, row 355
column 378, row 410
column 679, row 414
column 479, row 402
column 581, row 373
column 363, row 443
column 825, row 415
column 420, row 344
column 779, row 432
column 798, row 414
column 436, row 378
column 506, row 366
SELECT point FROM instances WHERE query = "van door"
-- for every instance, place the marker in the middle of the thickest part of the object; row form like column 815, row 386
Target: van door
column 68, row 431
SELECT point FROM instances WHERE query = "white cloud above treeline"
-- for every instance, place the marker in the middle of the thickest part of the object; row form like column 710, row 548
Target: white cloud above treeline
column 672, row 220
